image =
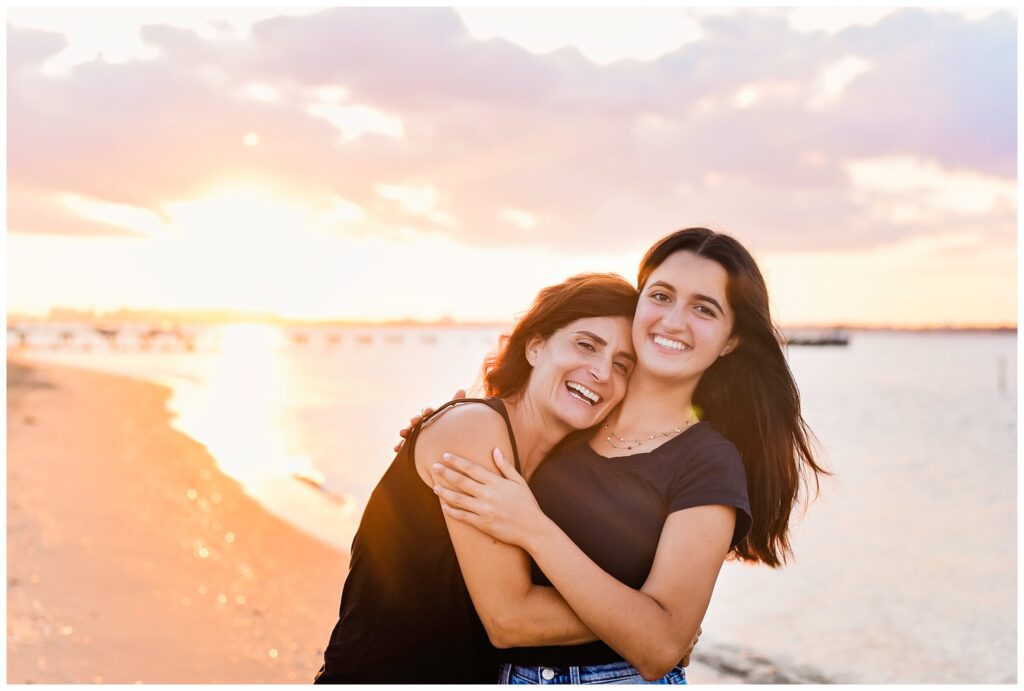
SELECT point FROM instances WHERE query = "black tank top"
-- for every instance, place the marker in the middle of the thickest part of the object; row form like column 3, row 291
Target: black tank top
column 406, row 615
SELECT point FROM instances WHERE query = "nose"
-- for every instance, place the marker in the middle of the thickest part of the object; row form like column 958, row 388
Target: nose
column 601, row 371
column 674, row 319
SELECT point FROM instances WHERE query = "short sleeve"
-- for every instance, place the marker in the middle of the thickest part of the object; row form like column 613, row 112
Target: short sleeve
column 714, row 475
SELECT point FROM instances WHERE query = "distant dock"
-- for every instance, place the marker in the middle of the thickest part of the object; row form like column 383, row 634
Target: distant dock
column 834, row 338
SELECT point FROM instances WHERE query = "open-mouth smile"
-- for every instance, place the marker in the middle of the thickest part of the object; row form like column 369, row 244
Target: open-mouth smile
column 582, row 393
column 670, row 344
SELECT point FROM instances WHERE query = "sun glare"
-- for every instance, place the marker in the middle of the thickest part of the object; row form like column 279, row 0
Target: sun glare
column 249, row 210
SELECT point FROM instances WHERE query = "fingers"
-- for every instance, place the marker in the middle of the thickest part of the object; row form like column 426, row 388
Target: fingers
column 460, row 394
column 693, row 644
column 466, row 467
column 446, row 477
column 459, row 514
column 506, row 466
column 456, row 499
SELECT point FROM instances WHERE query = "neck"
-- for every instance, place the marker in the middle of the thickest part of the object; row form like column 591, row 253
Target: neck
column 535, row 434
column 652, row 404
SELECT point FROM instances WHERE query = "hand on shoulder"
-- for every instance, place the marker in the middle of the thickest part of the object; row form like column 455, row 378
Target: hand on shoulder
column 471, row 430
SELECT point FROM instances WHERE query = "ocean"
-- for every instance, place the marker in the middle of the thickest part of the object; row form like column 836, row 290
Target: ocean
column 904, row 566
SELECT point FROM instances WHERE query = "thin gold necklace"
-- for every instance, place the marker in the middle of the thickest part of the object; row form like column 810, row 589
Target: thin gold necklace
column 633, row 443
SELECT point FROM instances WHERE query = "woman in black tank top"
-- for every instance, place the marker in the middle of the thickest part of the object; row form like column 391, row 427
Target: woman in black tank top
column 408, row 614
column 634, row 523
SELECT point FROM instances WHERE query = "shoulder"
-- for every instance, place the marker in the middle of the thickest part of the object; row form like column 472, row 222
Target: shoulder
column 712, row 474
column 708, row 462
column 464, row 417
column 710, row 448
column 470, row 429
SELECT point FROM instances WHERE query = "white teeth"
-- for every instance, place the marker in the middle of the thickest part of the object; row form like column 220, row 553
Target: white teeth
column 591, row 397
column 668, row 343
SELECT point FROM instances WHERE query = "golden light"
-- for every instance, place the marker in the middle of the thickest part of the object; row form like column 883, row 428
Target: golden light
column 228, row 213
column 251, row 139
column 142, row 221
column 237, row 417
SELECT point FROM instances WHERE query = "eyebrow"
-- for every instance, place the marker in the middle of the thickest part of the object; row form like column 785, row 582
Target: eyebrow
column 699, row 296
column 622, row 353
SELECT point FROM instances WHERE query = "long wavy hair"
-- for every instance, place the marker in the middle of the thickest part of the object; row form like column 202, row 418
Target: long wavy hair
column 582, row 296
column 750, row 396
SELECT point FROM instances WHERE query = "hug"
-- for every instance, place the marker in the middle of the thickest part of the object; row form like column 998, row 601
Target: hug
column 570, row 526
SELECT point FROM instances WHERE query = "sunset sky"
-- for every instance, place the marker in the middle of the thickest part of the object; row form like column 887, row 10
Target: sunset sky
column 427, row 162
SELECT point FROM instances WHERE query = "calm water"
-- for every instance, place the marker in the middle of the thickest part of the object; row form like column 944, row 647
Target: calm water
column 905, row 567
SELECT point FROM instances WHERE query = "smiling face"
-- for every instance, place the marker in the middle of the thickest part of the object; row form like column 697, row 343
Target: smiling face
column 683, row 321
column 580, row 372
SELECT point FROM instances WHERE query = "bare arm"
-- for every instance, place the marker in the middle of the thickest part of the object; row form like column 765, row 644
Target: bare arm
column 514, row 611
column 651, row 627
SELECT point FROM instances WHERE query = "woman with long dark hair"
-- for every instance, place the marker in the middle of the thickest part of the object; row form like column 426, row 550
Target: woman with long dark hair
column 632, row 520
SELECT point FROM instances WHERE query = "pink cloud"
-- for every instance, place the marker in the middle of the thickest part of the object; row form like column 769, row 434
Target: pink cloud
column 594, row 153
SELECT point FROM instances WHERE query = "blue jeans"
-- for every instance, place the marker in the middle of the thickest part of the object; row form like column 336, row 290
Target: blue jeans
column 612, row 673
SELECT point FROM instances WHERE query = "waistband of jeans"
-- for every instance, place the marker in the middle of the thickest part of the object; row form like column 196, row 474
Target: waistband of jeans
column 578, row 674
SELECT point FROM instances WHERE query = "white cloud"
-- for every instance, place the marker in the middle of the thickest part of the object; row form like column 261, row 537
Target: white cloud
column 518, row 217
column 911, row 188
column 603, row 34
column 142, row 221
column 343, row 211
column 834, row 78
column 356, row 120
column 832, row 20
column 264, row 93
column 752, row 94
column 421, row 200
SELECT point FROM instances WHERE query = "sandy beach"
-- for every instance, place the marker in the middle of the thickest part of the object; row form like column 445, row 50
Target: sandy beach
column 132, row 558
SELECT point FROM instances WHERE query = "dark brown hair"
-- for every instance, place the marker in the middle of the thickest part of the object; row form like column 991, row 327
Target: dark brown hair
column 579, row 297
column 750, row 396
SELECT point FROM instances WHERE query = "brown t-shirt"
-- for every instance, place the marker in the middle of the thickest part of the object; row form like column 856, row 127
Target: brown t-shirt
column 614, row 510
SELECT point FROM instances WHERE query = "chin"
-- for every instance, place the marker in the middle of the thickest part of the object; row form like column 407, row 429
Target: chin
column 667, row 370
column 581, row 419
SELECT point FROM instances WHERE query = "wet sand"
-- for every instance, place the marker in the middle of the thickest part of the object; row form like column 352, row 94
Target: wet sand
column 131, row 558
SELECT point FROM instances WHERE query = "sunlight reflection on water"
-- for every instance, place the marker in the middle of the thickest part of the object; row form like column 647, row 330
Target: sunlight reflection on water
column 905, row 568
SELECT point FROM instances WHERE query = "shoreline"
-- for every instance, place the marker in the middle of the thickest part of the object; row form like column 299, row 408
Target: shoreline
column 131, row 557
column 187, row 578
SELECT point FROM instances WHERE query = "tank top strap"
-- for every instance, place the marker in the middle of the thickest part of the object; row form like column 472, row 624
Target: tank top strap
column 495, row 404
column 499, row 405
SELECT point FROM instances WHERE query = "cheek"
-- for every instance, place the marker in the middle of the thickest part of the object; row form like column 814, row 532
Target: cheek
column 714, row 334
column 566, row 360
column 642, row 321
